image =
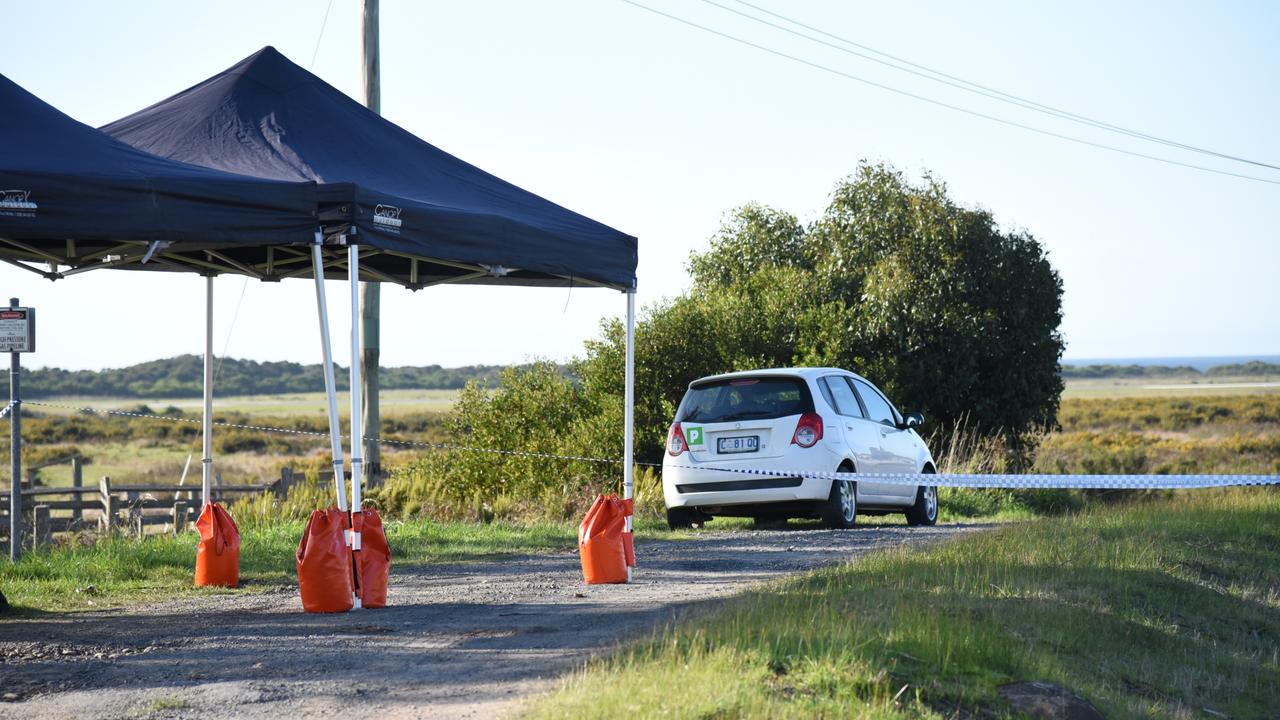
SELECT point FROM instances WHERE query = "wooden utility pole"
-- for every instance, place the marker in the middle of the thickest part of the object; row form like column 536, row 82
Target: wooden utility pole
column 370, row 292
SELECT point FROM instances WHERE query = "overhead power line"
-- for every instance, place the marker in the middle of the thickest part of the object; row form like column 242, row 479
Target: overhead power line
column 940, row 103
column 320, row 37
column 960, row 83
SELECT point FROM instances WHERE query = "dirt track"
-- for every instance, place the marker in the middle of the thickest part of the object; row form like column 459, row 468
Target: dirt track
column 459, row 640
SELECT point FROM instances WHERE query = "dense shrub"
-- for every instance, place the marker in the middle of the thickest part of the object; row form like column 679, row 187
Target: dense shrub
column 182, row 376
column 1083, row 372
column 535, row 411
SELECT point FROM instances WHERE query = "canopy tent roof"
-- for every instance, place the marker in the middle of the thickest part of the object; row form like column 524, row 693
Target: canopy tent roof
column 72, row 195
column 420, row 215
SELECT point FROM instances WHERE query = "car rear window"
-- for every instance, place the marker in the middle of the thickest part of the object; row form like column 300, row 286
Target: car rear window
column 745, row 398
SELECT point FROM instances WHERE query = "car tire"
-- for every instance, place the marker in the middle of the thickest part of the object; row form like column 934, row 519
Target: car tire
column 925, row 510
column 840, row 510
column 683, row 518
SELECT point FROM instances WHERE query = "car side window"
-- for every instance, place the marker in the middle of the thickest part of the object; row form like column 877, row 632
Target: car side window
column 878, row 408
column 838, row 394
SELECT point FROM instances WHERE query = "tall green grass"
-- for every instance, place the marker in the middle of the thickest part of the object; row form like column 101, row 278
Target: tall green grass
column 1163, row 608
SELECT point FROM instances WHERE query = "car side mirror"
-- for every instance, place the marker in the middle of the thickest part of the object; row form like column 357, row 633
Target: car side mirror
column 912, row 420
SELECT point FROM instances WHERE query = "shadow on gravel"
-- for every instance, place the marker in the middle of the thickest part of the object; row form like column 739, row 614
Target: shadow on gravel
column 405, row 645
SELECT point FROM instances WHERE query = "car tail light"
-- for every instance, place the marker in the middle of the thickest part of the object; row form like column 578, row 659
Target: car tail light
column 675, row 440
column 808, row 430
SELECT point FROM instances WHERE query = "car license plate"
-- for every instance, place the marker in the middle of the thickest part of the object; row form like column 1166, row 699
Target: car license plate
column 746, row 444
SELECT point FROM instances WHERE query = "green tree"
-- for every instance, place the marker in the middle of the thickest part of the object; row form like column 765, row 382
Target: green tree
column 948, row 313
column 932, row 301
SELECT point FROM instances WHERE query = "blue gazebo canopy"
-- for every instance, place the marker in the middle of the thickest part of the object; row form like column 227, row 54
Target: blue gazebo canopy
column 73, row 196
column 423, row 215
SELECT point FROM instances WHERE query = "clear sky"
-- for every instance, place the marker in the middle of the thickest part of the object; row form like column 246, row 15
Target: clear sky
column 658, row 129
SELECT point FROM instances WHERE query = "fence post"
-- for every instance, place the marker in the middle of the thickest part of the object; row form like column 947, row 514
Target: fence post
column 41, row 530
column 108, row 504
column 285, row 482
column 179, row 517
column 136, row 526
column 77, row 481
column 31, row 477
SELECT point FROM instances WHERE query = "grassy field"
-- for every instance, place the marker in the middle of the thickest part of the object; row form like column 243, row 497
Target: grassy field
column 1161, row 608
column 1165, row 435
column 153, row 444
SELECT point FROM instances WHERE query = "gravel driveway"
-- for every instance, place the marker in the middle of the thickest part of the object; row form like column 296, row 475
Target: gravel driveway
column 457, row 640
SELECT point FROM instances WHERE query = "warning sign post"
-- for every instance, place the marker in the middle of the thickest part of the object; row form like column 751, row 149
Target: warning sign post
column 17, row 335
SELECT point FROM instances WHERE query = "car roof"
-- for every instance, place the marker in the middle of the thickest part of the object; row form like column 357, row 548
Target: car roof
column 808, row 373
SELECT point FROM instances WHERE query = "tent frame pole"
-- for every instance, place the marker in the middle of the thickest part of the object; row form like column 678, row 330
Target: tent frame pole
column 357, row 433
column 628, row 450
column 206, row 425
column 330, row 383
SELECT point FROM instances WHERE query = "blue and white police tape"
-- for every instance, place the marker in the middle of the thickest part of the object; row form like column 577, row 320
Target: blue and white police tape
column 1028, row 480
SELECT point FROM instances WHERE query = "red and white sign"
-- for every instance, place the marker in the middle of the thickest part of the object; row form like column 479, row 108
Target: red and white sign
column 17, row 330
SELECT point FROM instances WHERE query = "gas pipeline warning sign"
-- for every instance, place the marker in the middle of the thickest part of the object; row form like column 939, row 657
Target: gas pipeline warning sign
column 17, row 329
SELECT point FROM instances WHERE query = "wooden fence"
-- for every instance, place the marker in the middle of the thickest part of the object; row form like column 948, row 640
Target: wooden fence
column 118, row 508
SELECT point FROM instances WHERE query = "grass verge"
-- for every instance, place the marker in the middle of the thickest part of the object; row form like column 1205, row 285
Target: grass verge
column 1160, row 608
column 115, row 570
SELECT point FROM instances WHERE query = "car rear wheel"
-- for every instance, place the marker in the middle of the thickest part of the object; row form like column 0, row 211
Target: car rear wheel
column 925, row 509
column 840, row 510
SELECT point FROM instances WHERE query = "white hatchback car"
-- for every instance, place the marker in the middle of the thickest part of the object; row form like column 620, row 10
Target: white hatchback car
column 799, row 420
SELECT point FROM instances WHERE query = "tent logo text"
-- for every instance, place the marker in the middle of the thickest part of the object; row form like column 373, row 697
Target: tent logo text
column 19, row 200
column 388, row 215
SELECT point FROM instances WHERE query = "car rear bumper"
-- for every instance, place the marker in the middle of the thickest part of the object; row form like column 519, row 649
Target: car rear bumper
column 722, row 483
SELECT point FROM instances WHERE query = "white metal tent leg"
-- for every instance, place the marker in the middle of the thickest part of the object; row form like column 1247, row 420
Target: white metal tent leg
column 330, row 384
column 206, row 463
column 357, row 432
column 629, row 414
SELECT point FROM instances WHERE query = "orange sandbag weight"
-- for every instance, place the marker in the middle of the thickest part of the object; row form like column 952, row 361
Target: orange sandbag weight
column 218, row 553
column 584, row 529
column 324, row 563
column 628, row 537
column 600, row 543
column 373, row 561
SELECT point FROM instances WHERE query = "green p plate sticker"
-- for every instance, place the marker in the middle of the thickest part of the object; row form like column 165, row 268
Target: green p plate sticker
column 695, row 436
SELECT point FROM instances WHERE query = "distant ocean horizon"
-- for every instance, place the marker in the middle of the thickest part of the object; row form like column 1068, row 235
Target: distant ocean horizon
column 1201, row 363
